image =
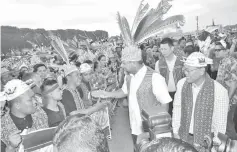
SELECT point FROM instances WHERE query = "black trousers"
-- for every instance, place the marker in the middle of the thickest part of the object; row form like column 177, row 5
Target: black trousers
column 235, row 119
column 134, row 138
column 171, row 103
column 231, row 123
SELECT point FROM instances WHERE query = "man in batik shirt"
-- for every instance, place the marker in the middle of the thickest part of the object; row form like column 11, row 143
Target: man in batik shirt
column 227, row 76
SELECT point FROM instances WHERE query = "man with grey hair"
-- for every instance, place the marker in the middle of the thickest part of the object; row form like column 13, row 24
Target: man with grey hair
column 200, row 104
column 79, row 134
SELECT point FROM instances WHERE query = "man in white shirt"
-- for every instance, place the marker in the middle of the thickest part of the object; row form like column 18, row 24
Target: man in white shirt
column 170, row 67
column 200, row 104
column 144, row 87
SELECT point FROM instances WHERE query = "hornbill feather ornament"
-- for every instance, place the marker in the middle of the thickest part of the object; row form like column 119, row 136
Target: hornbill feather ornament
column 148, row 23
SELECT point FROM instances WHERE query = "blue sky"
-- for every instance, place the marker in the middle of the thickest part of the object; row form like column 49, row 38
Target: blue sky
column 101, row 14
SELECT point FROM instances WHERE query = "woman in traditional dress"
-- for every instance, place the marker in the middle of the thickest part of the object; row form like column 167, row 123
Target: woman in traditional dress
column 85, row 87
column 74, row 105
column 102, row 72
column 52, row 94
column 71, row 98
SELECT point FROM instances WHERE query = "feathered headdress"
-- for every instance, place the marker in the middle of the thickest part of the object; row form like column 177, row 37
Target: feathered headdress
column 148, row 23
column 87, row 55
column 59, row 47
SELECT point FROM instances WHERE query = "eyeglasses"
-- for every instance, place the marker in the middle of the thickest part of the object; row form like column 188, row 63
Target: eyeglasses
column 189, row 71
column 49, row 78
column 218, row 50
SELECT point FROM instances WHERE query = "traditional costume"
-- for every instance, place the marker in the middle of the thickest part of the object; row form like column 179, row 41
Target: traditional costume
column 72, row 102
column 146, row 89
column 227, row 74
column 85, row 87
column 200, row 111
column 11, row 123
column 71, row 98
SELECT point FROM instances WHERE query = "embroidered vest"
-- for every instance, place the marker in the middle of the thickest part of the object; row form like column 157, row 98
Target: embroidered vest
column 145, row 97
column 202, row 113
column 85, row 93
column 177, row 71
column 40, row 121
column 77, row 99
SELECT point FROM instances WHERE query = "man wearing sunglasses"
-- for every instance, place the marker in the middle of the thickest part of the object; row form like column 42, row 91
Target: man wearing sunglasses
column 227, row 76
column 200, row 104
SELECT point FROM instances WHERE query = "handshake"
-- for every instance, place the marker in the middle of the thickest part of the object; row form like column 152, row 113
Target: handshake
column 100, row 94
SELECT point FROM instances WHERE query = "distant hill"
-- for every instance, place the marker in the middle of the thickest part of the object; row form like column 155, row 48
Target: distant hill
column 16, row 38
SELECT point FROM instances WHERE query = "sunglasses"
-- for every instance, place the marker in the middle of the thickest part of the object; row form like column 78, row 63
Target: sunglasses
column 218, row 50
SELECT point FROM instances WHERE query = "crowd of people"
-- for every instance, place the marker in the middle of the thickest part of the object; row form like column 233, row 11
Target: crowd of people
column 198, row 91
column 181, row 93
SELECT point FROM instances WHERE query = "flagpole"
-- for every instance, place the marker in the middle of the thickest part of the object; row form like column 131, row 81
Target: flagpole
column 197, row 23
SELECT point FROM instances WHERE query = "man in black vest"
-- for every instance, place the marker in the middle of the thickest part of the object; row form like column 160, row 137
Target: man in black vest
column 170, row 67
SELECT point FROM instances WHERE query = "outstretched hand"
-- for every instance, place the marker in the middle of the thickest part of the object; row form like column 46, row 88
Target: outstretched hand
column 99, row 94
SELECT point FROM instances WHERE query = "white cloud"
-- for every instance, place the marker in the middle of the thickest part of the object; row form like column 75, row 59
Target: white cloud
column 91, row 14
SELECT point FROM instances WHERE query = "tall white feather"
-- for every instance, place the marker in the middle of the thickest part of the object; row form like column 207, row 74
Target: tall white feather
column 158, row 27
column 127, row 32
column 59, row 48
column 120, row 23
column 152, row 16
column 141, row 12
